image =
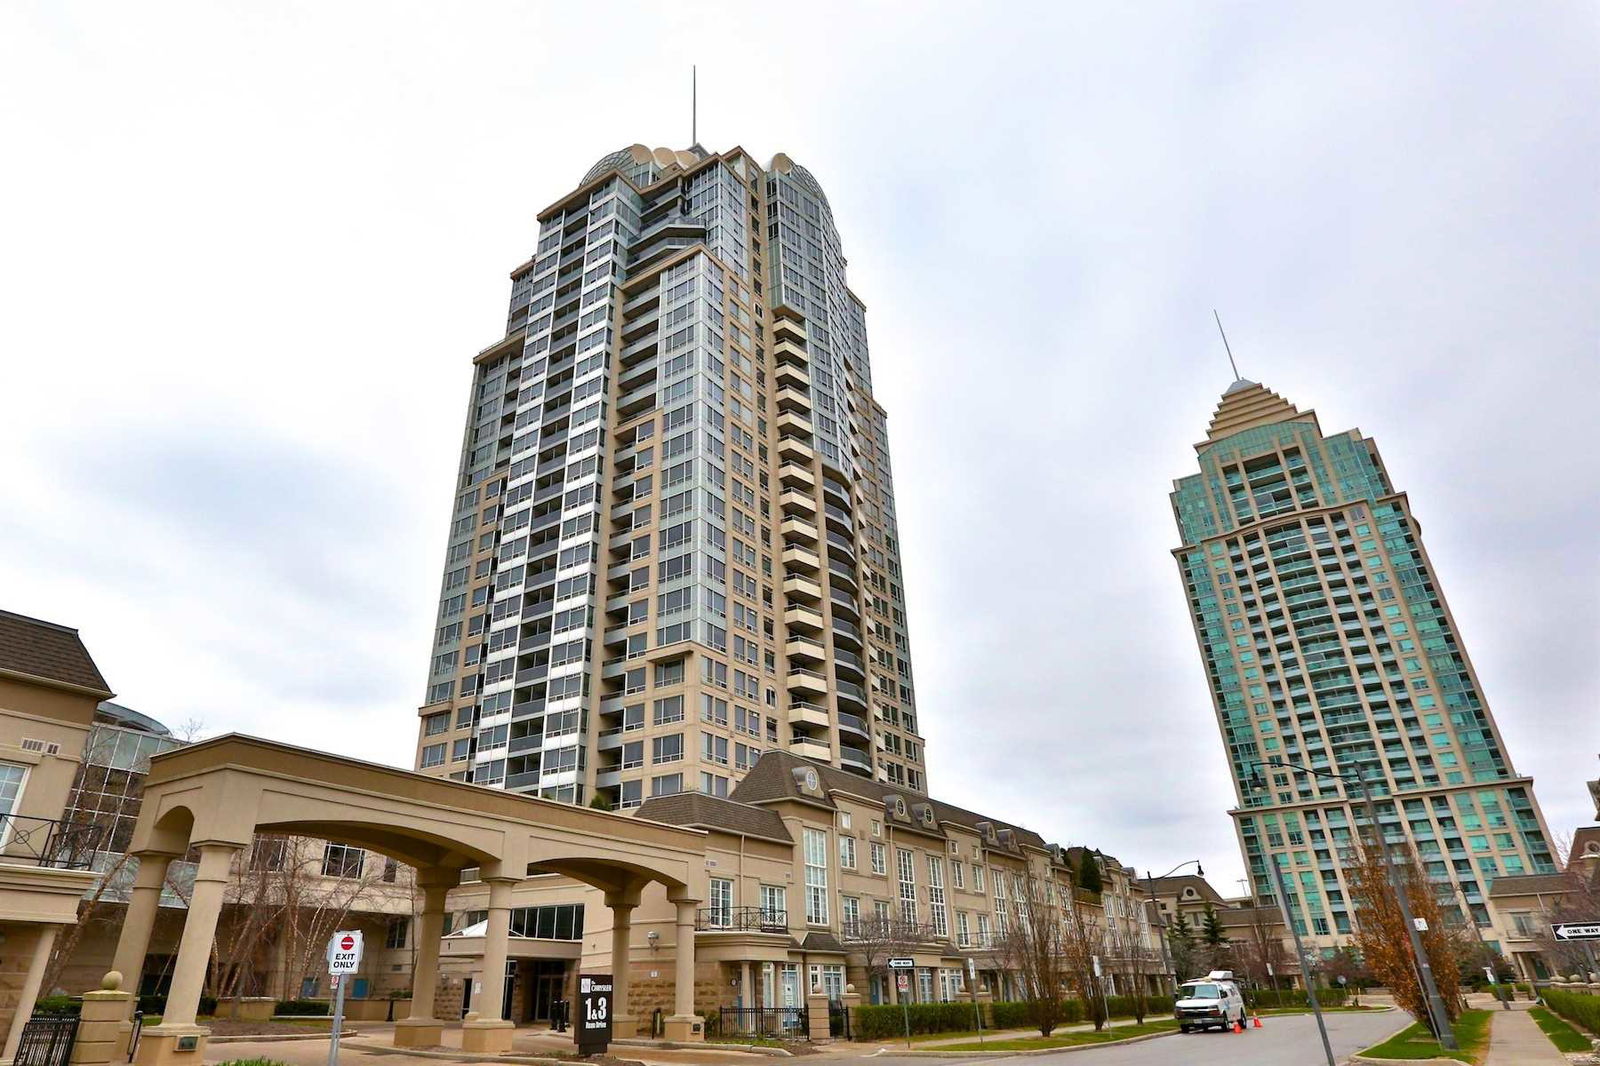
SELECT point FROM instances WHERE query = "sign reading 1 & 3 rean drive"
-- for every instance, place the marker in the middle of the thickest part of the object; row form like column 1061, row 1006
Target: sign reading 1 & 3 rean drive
column 592, row 1026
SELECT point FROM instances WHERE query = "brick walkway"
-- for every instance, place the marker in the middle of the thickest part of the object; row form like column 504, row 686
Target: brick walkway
column 1514, row 1040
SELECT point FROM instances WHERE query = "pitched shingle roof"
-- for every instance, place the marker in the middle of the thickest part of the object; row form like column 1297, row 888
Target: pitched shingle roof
column 1528, row 884
column 772, row 778
column 47, row 651
column 694, row 810
column 1172, row 887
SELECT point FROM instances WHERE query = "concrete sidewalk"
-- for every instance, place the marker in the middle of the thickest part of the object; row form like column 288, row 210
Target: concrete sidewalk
column 1516, row 1040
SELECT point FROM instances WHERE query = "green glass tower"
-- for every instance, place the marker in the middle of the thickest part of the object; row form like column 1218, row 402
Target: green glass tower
column 1327, row 641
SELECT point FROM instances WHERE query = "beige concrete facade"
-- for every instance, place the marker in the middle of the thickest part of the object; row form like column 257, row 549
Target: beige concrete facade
column 738, row 560
column 49, row 688
column 215, row 796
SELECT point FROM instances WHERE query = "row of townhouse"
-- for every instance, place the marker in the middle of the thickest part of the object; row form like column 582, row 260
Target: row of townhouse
column 814, row 877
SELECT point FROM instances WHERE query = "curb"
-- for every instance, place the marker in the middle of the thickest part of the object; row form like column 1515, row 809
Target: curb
column 999, row 1053
column 457, row 1055
column 275, row 1038
column 746, row 1049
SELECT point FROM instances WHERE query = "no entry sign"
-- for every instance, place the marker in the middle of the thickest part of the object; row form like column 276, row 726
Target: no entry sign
column 344, row 952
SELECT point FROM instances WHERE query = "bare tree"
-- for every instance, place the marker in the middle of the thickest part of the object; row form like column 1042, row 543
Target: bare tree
column 1033, row 942
column 1259, row 954
column 878, row 938
column 1129, row 958
column 1083, row 944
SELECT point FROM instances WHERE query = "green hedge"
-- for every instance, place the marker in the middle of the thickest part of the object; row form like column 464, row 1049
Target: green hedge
column 57, row 1005
column 1122, row 1006
column 1579, row 1007
column 307, row 1008
column 1269, row 998
column 885, row 1021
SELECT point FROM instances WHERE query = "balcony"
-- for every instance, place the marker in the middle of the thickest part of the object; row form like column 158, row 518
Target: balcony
column 793, row 400
column 843, row 601
column 808, row 714
column 799, row 648
column 803, row 618
column 855, row 759
column 789, row 422
column 807, row 748
column 807, row 681
column 795, row 447
column 791, row 374
column 741, row 920
column 795, row 476
column 797, row 529
column 840, row 518
column 854, row 727
column 51, row 842
column 846, row 691
column 800, row 587
column 795, row 502
column 796, row 557
column 787, row 351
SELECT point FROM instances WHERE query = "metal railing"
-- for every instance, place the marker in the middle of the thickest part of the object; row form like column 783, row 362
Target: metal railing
column 47, row 1040
column 742, row 919
column 49, row 841
column 791, row 1023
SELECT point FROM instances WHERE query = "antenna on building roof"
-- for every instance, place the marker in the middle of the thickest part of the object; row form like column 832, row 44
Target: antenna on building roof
column 1225, row 345
column 694, row 104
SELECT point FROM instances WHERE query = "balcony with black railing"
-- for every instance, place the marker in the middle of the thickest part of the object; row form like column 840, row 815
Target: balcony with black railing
column 741, row 920
column 54, row 842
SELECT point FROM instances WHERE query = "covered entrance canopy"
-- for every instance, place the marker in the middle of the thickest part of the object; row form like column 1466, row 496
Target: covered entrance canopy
column 216, row 795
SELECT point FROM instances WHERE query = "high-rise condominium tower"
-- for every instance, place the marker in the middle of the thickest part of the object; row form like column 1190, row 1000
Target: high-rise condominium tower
column 1327, row 642
column 673, row 542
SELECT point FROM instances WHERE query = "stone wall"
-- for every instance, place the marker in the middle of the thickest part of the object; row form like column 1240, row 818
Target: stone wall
column 17, row 944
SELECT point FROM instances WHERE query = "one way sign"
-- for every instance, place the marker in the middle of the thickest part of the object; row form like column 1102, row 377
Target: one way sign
column 1576, row 931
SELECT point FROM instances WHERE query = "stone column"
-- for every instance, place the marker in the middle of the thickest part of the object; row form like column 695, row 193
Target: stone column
column 421, row 1028
column 178, row 1038
column 30, row 988
column 144, row 902
column 683, row 1025
column 747, row 990
column 817, row 1016
column 623, row 1022
column 199, row 931
column 486, row 1031
column 103, row 1027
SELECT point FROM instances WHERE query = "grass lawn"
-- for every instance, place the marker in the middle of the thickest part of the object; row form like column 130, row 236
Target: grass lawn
column 1561, row 1034
column 1415, row 1042
column 1104, row 1036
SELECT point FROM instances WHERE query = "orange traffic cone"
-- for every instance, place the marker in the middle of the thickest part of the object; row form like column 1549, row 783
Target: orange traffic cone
column 1238, row 1027
column 1255, row 1021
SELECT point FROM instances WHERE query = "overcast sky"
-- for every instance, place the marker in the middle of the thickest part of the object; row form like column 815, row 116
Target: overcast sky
column 248, row 250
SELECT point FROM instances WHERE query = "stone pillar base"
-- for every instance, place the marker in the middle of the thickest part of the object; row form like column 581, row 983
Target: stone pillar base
column 622, row 1025
column 684, row 1028
column 492, row 1037
column 418, row 1032
column 172, row 1045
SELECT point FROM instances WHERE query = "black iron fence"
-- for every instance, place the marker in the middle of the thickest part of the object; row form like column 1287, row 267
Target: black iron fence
column 133, row 1036
column 839, row 1020
column 47, row 1040
column 744, row 919
column 49, row 841
column 782, row 1023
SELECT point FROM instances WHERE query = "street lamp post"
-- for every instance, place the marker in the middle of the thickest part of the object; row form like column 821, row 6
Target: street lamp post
column 1150, row 883
column 1436, row 1011
column 1300, row 955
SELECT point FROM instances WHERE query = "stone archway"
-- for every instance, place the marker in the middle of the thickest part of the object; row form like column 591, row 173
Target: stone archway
column 215, row 796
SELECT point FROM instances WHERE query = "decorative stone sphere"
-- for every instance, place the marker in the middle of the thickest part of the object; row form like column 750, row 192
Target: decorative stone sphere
column 111, row 981
column 850, row 988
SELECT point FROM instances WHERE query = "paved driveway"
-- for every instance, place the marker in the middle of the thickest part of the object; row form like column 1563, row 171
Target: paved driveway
column 1284, row 1041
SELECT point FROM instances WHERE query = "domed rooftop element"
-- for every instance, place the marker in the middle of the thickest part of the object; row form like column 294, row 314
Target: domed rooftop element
column 637, row 158
column 128, row 718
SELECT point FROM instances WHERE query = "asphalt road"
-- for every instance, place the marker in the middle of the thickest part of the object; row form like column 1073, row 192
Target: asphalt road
column 1284, row 1041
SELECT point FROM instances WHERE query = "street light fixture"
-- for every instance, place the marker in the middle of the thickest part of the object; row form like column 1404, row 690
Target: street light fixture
column 1436, row 1011
column 1150, row 882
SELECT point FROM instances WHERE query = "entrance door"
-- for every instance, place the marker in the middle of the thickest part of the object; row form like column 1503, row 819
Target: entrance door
column 549, row 978
column 790, row 979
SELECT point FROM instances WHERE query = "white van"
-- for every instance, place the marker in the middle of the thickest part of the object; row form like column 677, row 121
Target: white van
column 1213, row 1000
